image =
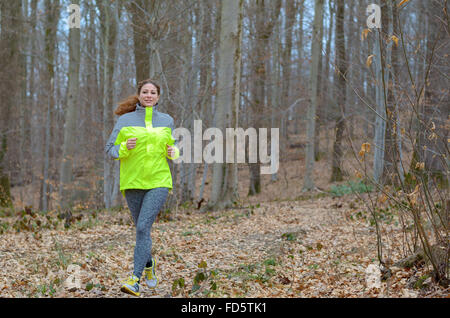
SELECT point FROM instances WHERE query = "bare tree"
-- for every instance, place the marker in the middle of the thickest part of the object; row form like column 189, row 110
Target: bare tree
column 383, row 58
column 286, row 61
column 314, row 81
column 393, row 155
column 150, row 23
column 326, row 98
column 109, row 28
column 51, row 22
column 224, row 183
column 266, row 16
column 340, row 92
column 70, row 131
column 10, row 15
column 433, row 132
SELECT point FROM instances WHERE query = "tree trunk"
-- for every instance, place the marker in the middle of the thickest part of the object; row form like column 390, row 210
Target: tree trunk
column 92, row 83
column 265, row 21
column 31, row 164
column 340, row 93
column 109, row 36
column 141, row 37
column 70, row 130
column 191, row 61
column 24, row 119
column 301, row 9
column 434, row 128
column 319, row 89
column 326, row 83
column 286, row 62
column 383, row 58
column 224, row 181
column 149, row 24
column 349, row 27
column 52, row 13
column 392, row 152
column 276, row 95
column 9, row 82
column 314, row 80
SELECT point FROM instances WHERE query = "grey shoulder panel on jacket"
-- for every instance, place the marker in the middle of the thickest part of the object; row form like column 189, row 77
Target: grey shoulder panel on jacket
column 162, row 120
column 130, row 119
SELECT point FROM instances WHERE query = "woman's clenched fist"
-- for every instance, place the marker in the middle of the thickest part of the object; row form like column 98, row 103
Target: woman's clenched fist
column 131, row 143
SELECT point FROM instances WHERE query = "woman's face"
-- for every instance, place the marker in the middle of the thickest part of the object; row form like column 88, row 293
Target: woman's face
column 148, row 96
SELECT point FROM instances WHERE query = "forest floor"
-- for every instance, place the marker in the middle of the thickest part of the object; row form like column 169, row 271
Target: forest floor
column 310, row 246
column 280, row 243
column 306, row 248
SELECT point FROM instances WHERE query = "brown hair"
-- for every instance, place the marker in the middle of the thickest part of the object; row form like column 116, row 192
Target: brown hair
column 129, row 104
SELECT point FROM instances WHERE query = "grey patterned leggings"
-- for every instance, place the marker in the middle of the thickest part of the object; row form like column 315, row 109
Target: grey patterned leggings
column 144, row 206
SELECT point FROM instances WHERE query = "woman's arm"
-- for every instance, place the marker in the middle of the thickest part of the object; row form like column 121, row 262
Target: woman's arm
column 172, row 150
column 116, row 148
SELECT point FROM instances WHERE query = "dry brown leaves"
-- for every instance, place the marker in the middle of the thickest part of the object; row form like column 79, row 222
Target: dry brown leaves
column 282, row 244
column 304, row 248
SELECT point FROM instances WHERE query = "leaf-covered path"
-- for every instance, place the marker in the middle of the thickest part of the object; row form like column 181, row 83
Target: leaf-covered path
column 317, row 247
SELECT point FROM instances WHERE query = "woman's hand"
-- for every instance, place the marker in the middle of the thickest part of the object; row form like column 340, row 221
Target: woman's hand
column 131, row 143
column 170, row 151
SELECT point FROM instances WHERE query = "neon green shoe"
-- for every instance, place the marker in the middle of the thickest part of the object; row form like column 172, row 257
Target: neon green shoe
column 131, row 286
column 150, row 277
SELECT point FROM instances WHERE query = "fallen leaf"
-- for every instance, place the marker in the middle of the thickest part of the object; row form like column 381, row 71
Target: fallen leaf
column 402, row 2
column 364, row 34
column 369, row 60
column 395, row 39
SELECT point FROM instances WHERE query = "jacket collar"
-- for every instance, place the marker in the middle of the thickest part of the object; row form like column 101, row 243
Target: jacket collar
column 141, row 108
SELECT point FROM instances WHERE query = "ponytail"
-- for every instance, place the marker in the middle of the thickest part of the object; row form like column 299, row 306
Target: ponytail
column 127, row 105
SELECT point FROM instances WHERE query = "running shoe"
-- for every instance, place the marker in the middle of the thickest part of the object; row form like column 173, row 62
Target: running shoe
column 131, row 286
column 150, row 277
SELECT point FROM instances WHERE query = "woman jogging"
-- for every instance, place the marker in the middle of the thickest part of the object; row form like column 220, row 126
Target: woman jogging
column 142, row 140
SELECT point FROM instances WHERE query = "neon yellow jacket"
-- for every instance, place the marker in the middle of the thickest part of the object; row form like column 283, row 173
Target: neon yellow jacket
column 145, row 166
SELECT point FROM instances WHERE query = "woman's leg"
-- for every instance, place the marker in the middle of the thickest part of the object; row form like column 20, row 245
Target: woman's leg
column 152, row 203
column 134, row 199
